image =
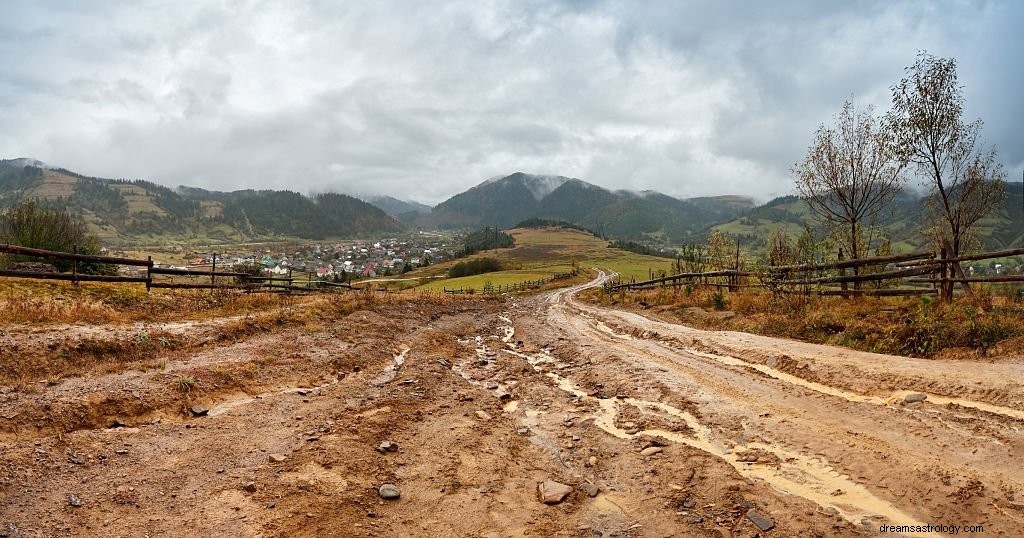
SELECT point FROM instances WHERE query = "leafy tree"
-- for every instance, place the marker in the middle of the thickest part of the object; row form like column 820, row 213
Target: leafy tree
column 964, row 180
column 849, row 175
column 30, row 225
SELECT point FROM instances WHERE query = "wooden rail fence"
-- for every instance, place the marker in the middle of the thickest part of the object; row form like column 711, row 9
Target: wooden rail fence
column 941, row 271
column 240, row 281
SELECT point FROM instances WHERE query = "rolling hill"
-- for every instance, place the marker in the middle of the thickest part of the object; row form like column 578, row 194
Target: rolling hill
column 119, row 210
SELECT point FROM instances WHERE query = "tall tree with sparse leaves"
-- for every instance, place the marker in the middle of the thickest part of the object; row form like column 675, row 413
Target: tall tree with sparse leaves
column 965, row 181
column 849, row 175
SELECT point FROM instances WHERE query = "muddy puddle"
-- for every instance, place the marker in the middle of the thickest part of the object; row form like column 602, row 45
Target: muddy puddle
column 811, row 478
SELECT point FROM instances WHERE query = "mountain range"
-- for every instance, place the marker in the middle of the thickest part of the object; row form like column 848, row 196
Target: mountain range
column 120, row 211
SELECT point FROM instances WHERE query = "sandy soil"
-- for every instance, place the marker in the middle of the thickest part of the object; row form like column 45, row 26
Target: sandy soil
column 683, row 432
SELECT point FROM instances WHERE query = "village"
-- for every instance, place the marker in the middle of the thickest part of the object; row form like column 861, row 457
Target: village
column 339, row 261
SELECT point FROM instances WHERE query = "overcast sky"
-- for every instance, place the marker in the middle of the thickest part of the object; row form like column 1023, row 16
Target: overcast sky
column 422, row 100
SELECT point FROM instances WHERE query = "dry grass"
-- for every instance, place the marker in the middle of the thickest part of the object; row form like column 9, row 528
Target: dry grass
column 912, row 326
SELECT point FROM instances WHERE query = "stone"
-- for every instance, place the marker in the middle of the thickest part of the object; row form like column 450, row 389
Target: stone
column 523, row 431
column 116, row 423
column 689, row 504
column 651, row 450
column 389, row 492
column 762, row 521
column 552, row 492
column 591, row 461
column 277, row 458
column 249, row 487
column 387, row 446
column 198, row 411
column 656, row 441
column 271, row 504
column 590, row 489
column 632, row 431
column 482, row 415
column 76, row 459
column 915, row 397
column 74, row 501
column 722, row 532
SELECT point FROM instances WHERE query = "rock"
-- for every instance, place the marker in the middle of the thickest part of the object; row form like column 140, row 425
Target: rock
column 116, row 423
column 696, row 520
column 689, row 504
column 651, row 450
column 722, row 532
column 523, row 431
column 590, row 489
column 271, row 504
column 772, row 361
column 249, row 487
column 762, row 521
column 632, row 431
column 198, row 411
column 915, row 397
column 591, row 461
column 10, row 531
column 74, row 501
column 277, row 458
column 444, row 363
column 482, row 415
column 656, row 441
column 552, row 492
column 387, row 446
column 76, row 459
column 389, row 492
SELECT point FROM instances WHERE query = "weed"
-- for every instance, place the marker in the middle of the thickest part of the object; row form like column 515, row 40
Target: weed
column 186, row 384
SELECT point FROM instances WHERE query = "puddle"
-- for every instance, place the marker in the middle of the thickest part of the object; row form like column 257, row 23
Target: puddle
column 808, row 477
column 893, row 400
column 389, row 373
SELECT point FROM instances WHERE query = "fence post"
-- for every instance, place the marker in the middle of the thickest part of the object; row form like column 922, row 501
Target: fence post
column 213, row 273
column 74, row 265
column 149, row 273
column 944, row 287
column 842, row 272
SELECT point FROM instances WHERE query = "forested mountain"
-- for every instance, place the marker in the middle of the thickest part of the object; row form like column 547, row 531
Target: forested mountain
column 504, row 201
column 120, row 210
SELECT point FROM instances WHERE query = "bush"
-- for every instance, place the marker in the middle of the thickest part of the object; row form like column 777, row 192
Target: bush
column 30, row 225
column 474, row 267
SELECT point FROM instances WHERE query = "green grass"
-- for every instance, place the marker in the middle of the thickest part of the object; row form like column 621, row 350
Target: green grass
column 541, row 253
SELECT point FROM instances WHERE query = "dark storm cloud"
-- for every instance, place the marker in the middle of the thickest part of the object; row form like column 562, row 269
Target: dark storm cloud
column 424, row 99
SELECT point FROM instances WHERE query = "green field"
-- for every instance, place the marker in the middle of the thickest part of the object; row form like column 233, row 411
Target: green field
column 541, row 253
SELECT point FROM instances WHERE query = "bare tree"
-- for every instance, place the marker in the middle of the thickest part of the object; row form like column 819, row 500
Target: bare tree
column 965, row 182
column 849, row 175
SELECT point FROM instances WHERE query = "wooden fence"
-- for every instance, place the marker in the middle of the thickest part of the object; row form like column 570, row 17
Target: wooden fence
column 940, row 272
column 238, row 280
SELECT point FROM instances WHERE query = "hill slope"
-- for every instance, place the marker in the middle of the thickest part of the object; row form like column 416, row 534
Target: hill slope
column 505, row 201
column 119, row 210
column 900, row 222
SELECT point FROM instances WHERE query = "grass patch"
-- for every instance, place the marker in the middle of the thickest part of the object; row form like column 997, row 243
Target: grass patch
column 911, row 326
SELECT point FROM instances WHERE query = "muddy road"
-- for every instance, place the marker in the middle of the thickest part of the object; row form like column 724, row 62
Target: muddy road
column 467, row 406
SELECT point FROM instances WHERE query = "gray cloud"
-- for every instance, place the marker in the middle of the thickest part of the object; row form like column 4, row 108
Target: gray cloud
column 422, row 100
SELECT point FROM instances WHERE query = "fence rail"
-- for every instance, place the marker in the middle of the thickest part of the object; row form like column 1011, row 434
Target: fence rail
column 239, row 280
column 941, row 270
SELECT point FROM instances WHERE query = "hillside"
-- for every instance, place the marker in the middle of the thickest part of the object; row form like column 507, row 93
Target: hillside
column 398, row 208
column 505, row 201
column 900, row 222
column 119, row 210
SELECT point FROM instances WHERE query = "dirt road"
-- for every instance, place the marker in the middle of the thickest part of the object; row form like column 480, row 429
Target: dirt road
column 660, row 430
